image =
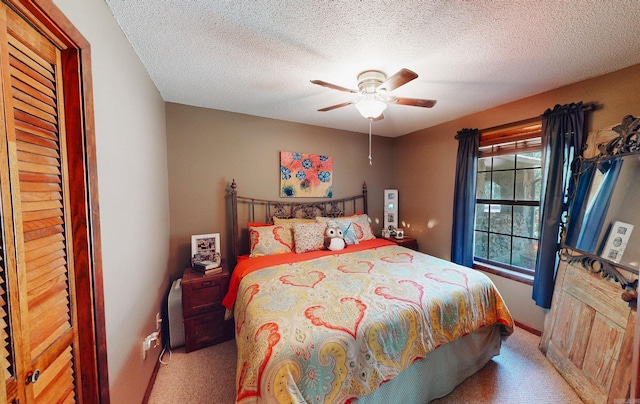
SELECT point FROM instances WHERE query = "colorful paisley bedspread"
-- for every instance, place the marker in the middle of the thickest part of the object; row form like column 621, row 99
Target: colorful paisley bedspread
column 332, row 329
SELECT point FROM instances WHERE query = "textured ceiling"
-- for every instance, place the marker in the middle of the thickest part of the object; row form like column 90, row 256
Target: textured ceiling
column 257, row 57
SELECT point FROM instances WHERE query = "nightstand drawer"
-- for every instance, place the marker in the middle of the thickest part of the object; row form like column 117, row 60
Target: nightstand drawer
column 207, row 329
column 202, row 298
column 202, row 294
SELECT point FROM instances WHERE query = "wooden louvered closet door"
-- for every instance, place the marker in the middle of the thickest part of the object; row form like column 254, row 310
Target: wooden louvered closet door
column 41, row 335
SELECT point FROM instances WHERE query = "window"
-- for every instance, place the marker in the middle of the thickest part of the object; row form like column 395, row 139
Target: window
column 507, row 215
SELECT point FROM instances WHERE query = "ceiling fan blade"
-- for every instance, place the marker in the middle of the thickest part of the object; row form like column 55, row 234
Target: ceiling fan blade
column 416, row 102
column 344, row 104
column 400, row 78
column 334, row 86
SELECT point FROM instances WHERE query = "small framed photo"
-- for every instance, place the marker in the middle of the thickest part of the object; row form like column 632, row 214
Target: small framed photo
column 205, row 247
column 619, row 235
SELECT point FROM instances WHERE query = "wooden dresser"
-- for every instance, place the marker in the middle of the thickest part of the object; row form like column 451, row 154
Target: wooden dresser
column 202, row 295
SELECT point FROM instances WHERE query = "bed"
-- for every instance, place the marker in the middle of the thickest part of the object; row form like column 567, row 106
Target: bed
column 372, row 323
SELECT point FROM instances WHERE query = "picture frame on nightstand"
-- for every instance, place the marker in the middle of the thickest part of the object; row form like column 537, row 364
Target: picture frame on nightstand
column 390, row 208
column 206, row 248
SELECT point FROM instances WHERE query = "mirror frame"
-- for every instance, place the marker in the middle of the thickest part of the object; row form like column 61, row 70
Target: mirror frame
column 626, row 143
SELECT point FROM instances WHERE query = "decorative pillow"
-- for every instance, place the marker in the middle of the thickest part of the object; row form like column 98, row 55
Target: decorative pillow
column 308, row 236
column 363, row 227
column 277, row 220
column 348, row 230
column 269, row 240
column 359, row 224
column 256, row 224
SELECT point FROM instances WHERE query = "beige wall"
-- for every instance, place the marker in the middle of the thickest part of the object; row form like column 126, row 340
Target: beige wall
column 133, row 195
column 430, row 155
column 208, row 148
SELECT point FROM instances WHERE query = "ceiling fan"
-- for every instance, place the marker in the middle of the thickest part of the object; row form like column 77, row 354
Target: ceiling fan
column 374, row 88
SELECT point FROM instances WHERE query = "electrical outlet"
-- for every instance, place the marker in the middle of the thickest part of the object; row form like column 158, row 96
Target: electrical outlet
column 158, row 321
column 151, row 341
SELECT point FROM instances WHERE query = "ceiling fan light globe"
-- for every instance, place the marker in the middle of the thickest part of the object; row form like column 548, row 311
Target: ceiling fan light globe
column 371, row 108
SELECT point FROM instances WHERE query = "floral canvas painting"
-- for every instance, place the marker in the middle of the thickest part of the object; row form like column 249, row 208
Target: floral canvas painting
column 305, row 175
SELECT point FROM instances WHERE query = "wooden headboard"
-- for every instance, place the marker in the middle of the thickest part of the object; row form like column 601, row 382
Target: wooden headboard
column 245, row 210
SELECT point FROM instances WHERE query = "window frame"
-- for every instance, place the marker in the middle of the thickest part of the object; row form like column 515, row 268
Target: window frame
column 507, row 139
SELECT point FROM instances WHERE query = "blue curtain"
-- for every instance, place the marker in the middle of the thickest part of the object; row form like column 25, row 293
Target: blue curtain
column 598, row 206
column 562, row 135
column 578, row 208
column 464, row 197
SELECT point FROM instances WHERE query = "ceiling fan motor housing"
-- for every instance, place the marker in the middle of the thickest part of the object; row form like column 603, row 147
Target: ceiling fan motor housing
column 369, row 80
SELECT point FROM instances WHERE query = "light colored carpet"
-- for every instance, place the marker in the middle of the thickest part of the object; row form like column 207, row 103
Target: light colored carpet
column 520, row 374
column 207, row 375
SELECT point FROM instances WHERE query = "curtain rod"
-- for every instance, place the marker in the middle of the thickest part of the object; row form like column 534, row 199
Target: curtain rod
column 585, row 107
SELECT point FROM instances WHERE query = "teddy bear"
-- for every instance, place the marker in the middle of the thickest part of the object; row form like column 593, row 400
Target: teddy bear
column 334, row 239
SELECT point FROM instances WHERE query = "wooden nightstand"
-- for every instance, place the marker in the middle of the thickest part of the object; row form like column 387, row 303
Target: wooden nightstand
column 204, row 323
column 408, row 242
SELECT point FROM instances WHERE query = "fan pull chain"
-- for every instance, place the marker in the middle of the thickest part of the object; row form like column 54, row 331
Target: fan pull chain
column 370, row 162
